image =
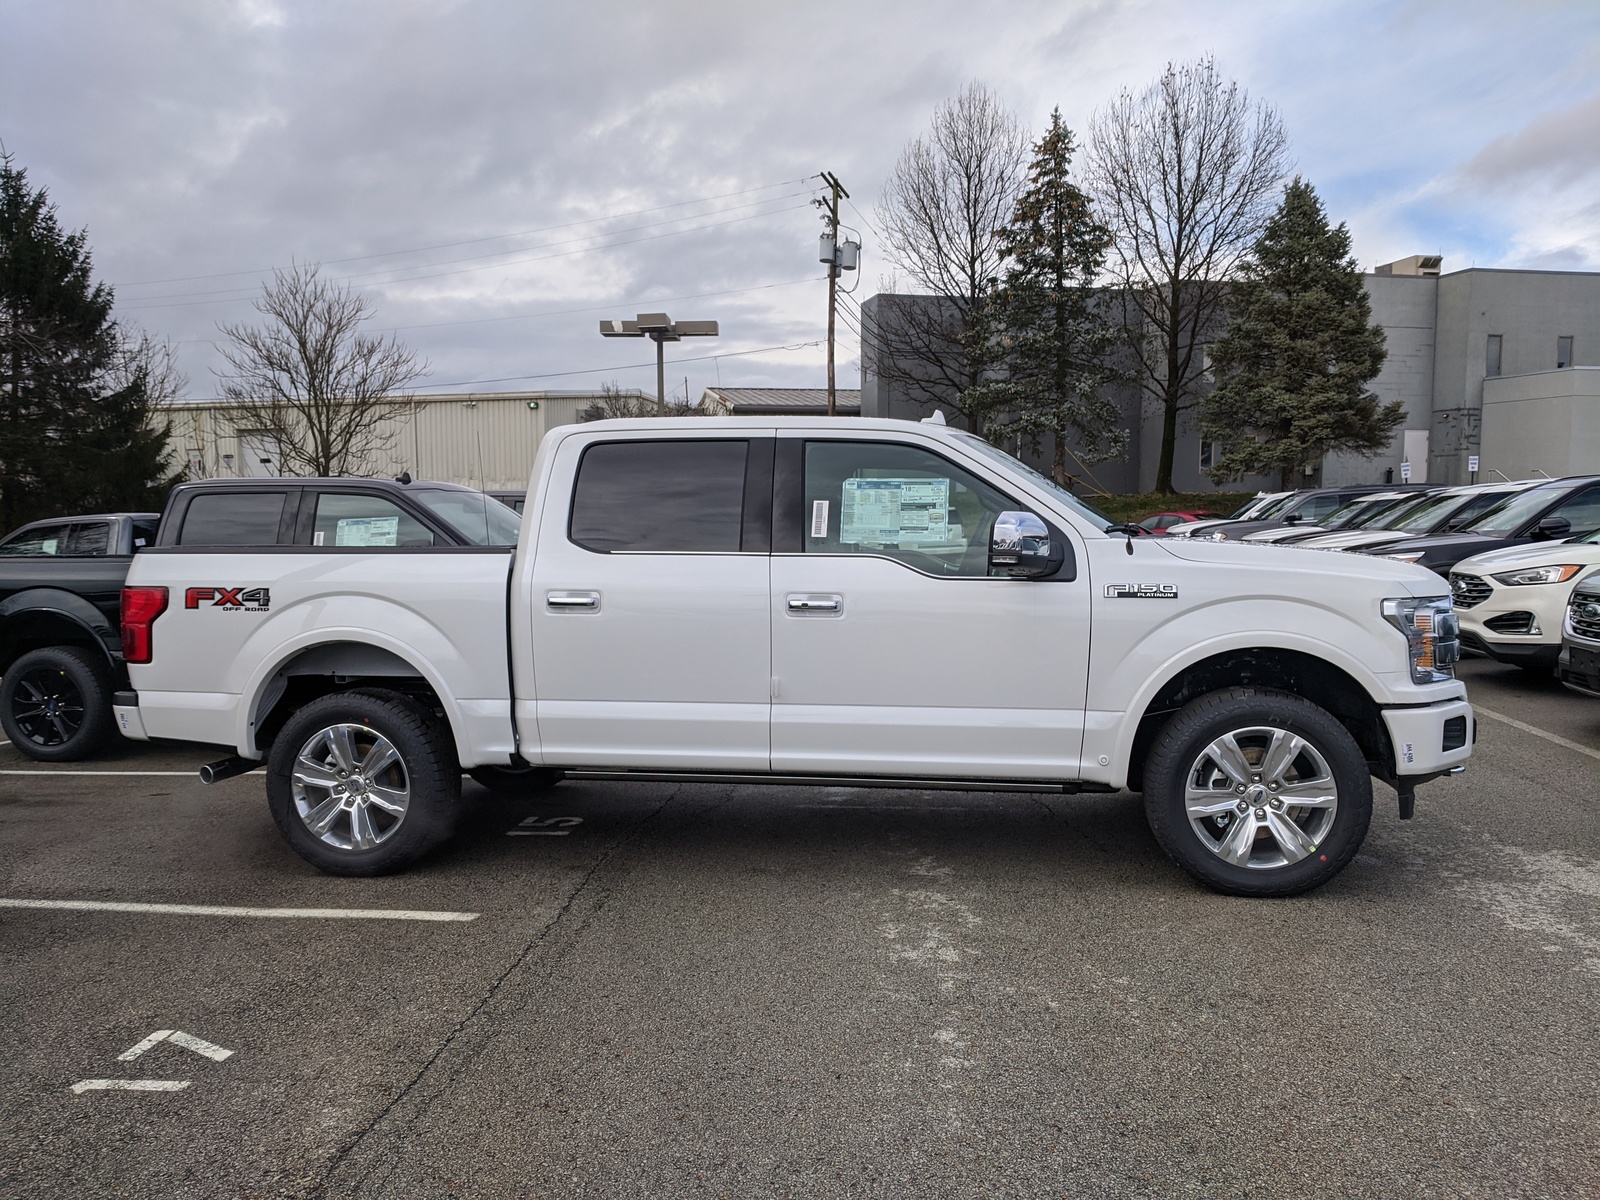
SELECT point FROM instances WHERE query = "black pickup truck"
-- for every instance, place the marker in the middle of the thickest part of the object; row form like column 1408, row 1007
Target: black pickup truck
column 60, row 644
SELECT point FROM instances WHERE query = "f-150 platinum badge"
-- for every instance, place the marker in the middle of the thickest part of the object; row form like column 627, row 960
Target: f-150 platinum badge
column 1141, row 591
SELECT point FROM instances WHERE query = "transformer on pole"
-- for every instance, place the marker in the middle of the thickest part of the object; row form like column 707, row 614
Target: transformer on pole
column 839, row 256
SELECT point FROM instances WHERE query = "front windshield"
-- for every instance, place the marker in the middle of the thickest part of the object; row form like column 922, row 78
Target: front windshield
column 1274, row 507
column 1340, row 517
column 1504, row 518
column 1384, row 515
column 1012, row 463
column 1430, row 512
column 1246, row 510
column 481, row 519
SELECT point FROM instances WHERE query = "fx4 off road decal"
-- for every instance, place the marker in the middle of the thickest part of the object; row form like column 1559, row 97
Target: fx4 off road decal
column 237, row 599
column 1141, row 591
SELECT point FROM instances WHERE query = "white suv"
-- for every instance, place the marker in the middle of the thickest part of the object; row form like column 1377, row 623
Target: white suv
column 1511, row 602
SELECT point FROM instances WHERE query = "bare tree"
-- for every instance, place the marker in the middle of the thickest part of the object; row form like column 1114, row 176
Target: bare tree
column 311, row 382
column 951, row 192
column 1185, row 174
column 615, row 402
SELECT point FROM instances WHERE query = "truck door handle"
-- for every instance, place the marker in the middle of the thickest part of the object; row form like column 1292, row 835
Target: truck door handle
column 572, row 601
column 815, row 603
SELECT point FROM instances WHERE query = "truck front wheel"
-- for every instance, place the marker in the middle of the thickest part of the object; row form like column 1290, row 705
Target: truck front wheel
column 1257, row 792
column 363, row 783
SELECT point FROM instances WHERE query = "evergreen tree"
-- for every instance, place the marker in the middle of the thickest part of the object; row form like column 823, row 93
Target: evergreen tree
column 75, row 396
column 1056, row 341
column 1299, row 351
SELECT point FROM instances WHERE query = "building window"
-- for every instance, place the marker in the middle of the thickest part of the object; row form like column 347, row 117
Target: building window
column 1491, row 364
column 1210, row 453
column 1563, row 352
column 1208, row 370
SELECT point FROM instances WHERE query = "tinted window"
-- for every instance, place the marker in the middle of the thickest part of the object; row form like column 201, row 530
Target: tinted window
column 900, row 502
column 1582, row 511
column 479, row 518
column 233, row 519
column 90, row 537
column 45, row 539
column 660, row 496
column 144, row 533
column 1505, row 518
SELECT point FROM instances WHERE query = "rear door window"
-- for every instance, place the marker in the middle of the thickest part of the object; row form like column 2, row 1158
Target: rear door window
column 233, row 519
column 366, row 522
column 677, row 496
column 90, row 538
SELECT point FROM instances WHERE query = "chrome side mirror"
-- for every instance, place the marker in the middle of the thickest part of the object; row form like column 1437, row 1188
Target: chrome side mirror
column 1020, row 547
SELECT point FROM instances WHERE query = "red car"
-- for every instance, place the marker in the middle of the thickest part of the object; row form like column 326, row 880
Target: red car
column 1159, row 523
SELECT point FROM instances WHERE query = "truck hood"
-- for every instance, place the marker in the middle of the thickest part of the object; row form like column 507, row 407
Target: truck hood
column 1301, row 568
column 1536, row 555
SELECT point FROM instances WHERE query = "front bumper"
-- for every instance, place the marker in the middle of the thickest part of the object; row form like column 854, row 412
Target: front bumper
column 1579, row 668
column 1430, row 738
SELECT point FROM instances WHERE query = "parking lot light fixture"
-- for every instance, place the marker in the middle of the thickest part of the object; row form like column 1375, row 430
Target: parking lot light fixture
column 661, row 329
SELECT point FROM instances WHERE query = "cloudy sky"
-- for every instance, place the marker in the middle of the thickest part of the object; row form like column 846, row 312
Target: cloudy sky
column 498, row 175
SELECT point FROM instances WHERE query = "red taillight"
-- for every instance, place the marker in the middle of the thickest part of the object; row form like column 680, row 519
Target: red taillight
column 140, row 607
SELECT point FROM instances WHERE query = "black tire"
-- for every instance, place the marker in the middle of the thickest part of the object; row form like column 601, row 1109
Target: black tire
column 516, row 782
column 1182, row 754
column 55, row 704
column 425, row 765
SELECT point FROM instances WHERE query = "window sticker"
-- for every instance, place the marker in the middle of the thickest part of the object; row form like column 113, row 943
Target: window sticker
column 367, row 531
column 819, row 518
column 316, row 538
column 895, row 512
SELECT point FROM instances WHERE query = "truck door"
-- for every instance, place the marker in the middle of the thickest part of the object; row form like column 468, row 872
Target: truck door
column 650, row 635
column 893, row 651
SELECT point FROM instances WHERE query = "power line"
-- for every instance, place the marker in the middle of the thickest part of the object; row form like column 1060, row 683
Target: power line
column 637, row 212
column 624, row 366
column 559, row 312
column 176, row 299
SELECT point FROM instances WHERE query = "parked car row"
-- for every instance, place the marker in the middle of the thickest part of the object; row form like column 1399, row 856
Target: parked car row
column 1517, row 554
column 61, row 582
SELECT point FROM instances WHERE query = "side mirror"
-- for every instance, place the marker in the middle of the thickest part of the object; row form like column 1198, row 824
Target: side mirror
column 1552, row 529
column 1020, row 547
column 1292, row 519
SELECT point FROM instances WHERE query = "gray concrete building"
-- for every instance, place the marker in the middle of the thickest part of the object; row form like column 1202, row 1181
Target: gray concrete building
column 1497, row 365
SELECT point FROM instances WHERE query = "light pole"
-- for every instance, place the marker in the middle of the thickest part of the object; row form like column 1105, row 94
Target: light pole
column 660, row 329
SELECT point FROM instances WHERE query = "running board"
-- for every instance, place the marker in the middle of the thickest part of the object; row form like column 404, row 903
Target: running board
column 1052, row 787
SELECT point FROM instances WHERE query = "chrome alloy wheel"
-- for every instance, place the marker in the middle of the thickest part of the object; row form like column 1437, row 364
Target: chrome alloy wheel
column 1260, row 797
column 350, row 787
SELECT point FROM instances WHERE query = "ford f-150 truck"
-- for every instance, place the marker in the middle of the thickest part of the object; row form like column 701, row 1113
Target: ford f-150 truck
column 795, row 600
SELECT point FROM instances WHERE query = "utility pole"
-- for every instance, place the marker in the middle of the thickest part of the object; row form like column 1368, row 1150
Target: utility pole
column 839, row 257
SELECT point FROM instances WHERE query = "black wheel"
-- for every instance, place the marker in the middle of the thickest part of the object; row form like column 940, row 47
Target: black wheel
column 363, row 783
column 519, row 782
column 1257, row 792
column 55, row 704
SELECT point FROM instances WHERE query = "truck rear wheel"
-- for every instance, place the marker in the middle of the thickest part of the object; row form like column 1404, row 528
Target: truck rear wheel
column 363, row 783
column 55, row 704
column 1257, row 792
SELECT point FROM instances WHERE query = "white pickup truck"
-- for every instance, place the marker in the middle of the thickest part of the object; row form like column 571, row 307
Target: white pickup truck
column 791, row 600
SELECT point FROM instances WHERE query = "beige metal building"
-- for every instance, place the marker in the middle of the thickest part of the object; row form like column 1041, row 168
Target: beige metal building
column 485, row 440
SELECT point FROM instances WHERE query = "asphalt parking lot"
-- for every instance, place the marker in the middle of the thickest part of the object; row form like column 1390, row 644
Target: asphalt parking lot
column 744, row 991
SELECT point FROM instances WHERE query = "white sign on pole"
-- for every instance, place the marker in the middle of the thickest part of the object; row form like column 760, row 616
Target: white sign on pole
column 1405, row 472
column 1472, row 462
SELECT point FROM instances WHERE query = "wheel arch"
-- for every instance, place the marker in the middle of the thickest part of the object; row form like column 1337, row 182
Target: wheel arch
column 1312, row 678
column 331, row 661
column 43, row 617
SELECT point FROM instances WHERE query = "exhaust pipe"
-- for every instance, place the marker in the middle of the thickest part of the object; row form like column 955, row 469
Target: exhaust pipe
column 227, row 768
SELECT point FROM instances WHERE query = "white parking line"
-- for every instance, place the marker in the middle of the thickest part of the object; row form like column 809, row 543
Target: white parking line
column 129, row 1085
column 1537, row 732
column 188, row 774
column 225, row 910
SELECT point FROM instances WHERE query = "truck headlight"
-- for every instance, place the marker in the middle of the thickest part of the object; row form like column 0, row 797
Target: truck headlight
column 1412, row 557
column 1432, row 632
column 1538, row 575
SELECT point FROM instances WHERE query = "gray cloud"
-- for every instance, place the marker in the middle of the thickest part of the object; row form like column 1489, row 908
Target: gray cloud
column 201, row 139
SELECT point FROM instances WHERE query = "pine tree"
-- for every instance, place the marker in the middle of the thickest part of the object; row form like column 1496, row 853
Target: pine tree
column 1057, row 343
column 75, row 394
column 1299, row 351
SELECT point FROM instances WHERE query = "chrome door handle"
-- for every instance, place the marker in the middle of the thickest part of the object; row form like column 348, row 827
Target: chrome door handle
column 572, row 601
column 815, row 603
